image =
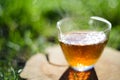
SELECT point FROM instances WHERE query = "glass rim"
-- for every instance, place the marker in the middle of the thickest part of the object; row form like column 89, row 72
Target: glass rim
column 91, row 18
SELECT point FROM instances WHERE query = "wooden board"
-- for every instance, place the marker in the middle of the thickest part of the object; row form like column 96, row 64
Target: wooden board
column 52, row 66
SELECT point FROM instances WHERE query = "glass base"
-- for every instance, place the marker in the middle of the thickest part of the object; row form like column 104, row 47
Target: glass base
column 83, row 68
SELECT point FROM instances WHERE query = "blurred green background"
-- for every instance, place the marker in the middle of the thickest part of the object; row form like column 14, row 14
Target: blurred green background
column 29, row 26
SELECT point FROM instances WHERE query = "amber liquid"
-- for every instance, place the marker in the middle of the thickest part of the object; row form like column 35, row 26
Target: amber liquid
column 82, row 48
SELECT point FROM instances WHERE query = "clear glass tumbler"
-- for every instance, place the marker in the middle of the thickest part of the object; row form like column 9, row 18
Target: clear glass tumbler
column 82, row 40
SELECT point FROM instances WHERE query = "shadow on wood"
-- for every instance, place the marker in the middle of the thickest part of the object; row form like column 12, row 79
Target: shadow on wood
column 71, row 74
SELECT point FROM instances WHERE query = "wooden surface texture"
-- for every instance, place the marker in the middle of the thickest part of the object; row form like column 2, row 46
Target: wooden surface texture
column 53, row 65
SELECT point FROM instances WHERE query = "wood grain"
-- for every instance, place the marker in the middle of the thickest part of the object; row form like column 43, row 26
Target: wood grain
column 38, row 67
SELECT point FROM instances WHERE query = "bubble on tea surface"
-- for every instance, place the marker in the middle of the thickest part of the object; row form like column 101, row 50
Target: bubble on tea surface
column 83, row 38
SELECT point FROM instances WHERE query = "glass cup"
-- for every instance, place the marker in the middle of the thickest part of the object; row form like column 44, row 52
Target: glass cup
column 82, row 40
